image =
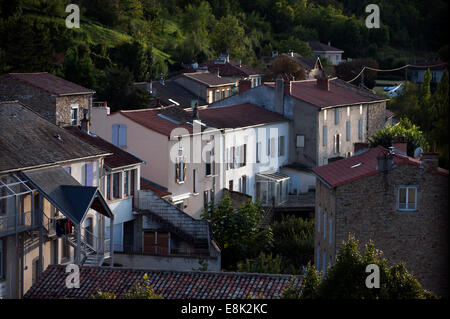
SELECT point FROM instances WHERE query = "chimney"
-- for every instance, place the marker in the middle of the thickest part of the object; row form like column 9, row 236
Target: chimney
column 287, row 87
column 240, row 63
column 430, row 161
column 195, row 114
column 244, row 85
column 384, row 162
column 218, row 73
column 85, row 122
column 291, row 53
column 228, row 58
column 359, row 146
column 279, row 95
column 399, row 144
column 323, row 83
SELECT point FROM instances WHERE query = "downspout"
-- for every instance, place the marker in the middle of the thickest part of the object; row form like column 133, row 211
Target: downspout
column 41, row 239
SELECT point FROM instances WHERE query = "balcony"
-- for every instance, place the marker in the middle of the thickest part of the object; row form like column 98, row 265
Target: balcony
column 16, row 223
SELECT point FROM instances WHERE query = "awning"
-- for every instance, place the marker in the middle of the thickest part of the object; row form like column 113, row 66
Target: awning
column 64, row 192
column 273, row 176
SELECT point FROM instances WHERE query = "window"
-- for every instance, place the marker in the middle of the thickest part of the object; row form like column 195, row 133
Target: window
column 244, row 184
column 210, row 99
column 324, row 115
column 108, row 186
column 331, row 231
column 407, row 198
column 65, row 250
column 281, row 145
column 194, row 181
column 205, row 199
column 230, row 185
column 126, row 187
column 268, row 147
column 244, row 155
column 318, row 220
column 89, row 174
column 180, row 170
column 74, row 114
column 2, row 260
column 325, row 135
column 300, row 141
column 223, row 94
column 337, row 143
column 217, row 95
column 116, row 185
column 360, row 129
column 132, row 182
column 336, row 116
column 228, row 92
column 35, row 270
column 119, row 135
column 258, row 152
column 272, row 147
column 347, row 131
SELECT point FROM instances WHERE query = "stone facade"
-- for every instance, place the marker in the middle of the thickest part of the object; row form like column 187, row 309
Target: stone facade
column 56, row 109
column 368, row 208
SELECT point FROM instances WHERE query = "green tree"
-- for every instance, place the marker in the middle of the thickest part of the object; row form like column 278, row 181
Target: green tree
column 346, row 279
column 238, row 232
column 139, row 291
column 136, row 56
column 79, row 68
column 264, row 263
column 413, row 135
column 286, row 68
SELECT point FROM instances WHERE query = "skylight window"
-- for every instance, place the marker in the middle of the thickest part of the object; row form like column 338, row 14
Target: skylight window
column 168, row 119
column 356, row 165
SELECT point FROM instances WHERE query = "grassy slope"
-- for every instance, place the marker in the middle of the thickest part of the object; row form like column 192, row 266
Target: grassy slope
column 93, row 32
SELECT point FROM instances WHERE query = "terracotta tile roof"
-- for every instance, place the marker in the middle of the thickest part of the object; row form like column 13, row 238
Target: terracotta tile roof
column 28, row 140
column 50, row 83
column 231, row 68
column 239, row 115
column 319, row 46
column 359, row 166
column 119, row 157
column 168, row 284
column 209, row 79
column 340, row 93
column 151, row 119
column 155, row 189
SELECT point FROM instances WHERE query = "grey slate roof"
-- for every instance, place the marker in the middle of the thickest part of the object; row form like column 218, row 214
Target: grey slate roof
column 172, row 90
column 65, row 193
column 28, row 140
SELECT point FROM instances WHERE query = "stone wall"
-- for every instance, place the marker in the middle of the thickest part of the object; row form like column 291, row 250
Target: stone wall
column 63, row 106
column 368, row 209
column 376, row 118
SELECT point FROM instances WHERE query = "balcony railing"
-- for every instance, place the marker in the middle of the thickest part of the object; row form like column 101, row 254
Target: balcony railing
column 17, row 222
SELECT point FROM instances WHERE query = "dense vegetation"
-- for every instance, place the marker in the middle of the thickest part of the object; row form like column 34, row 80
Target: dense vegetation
column 346, row 279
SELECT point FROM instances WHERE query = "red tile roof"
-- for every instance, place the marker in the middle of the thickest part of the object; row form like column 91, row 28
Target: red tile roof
column 232, row 116
column 209, row 79
column 168, row 284
column 340, row 93
column 150, row 119
column 50, row 83
column 231, row 68
column 155, row 189
column 119, row 158
column 239, row 115
column 359, row 166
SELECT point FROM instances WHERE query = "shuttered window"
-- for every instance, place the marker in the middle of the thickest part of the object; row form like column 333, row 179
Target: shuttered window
column 360, row 129
column 119, row 135
column 347, row 131
column 89, row 174
column 325, row 135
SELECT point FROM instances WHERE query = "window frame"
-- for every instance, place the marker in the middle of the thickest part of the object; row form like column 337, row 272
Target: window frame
column 407, row 187
column 74, row 107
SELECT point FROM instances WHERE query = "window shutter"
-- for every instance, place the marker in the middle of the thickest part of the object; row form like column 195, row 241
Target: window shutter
column 89, row 174
column 122, row 135
column 348, row 131
column 360, row 129
column 115, row 134
column 325, row 135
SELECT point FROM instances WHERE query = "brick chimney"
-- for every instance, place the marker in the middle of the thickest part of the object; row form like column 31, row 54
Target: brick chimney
column 85, row 125
column 399, row 144
column 430, row 161
column 323, row 83
column 244, row 85
column 359, row 146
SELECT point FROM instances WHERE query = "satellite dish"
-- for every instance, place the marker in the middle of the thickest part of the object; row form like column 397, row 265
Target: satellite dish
column 418, row 153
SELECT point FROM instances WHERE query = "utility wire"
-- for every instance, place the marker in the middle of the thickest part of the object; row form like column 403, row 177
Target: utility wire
column 396, row 69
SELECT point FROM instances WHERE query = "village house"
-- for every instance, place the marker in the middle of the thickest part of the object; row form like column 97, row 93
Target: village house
column 58, row 100
column 119, row 182
column 398, row 202
column 206, row 85
column 196, row 176
column 168, row 284
column 327, row 115
column 323, row 50
column 437, row 69
column 311, row 64
column 234, row 70
column 51, row 208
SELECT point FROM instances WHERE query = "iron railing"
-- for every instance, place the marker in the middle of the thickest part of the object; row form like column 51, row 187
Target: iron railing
column 17, row 223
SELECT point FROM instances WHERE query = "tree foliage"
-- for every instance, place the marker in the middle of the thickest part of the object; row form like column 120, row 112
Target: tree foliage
column 346, row 278
column 138, row 291
column 238, row 232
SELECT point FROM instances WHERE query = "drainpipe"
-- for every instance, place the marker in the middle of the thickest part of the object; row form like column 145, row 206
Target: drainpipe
column 41, row 239
column 111, row 242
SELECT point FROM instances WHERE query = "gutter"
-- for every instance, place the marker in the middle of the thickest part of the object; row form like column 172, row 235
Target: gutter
column 323, row 181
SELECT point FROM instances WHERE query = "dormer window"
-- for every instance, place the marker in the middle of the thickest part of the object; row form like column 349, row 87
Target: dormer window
column 74, row 114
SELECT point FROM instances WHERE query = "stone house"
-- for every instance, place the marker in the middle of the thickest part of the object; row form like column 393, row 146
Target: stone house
column 57, row 100
column 398, row 202
column 334, row 55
